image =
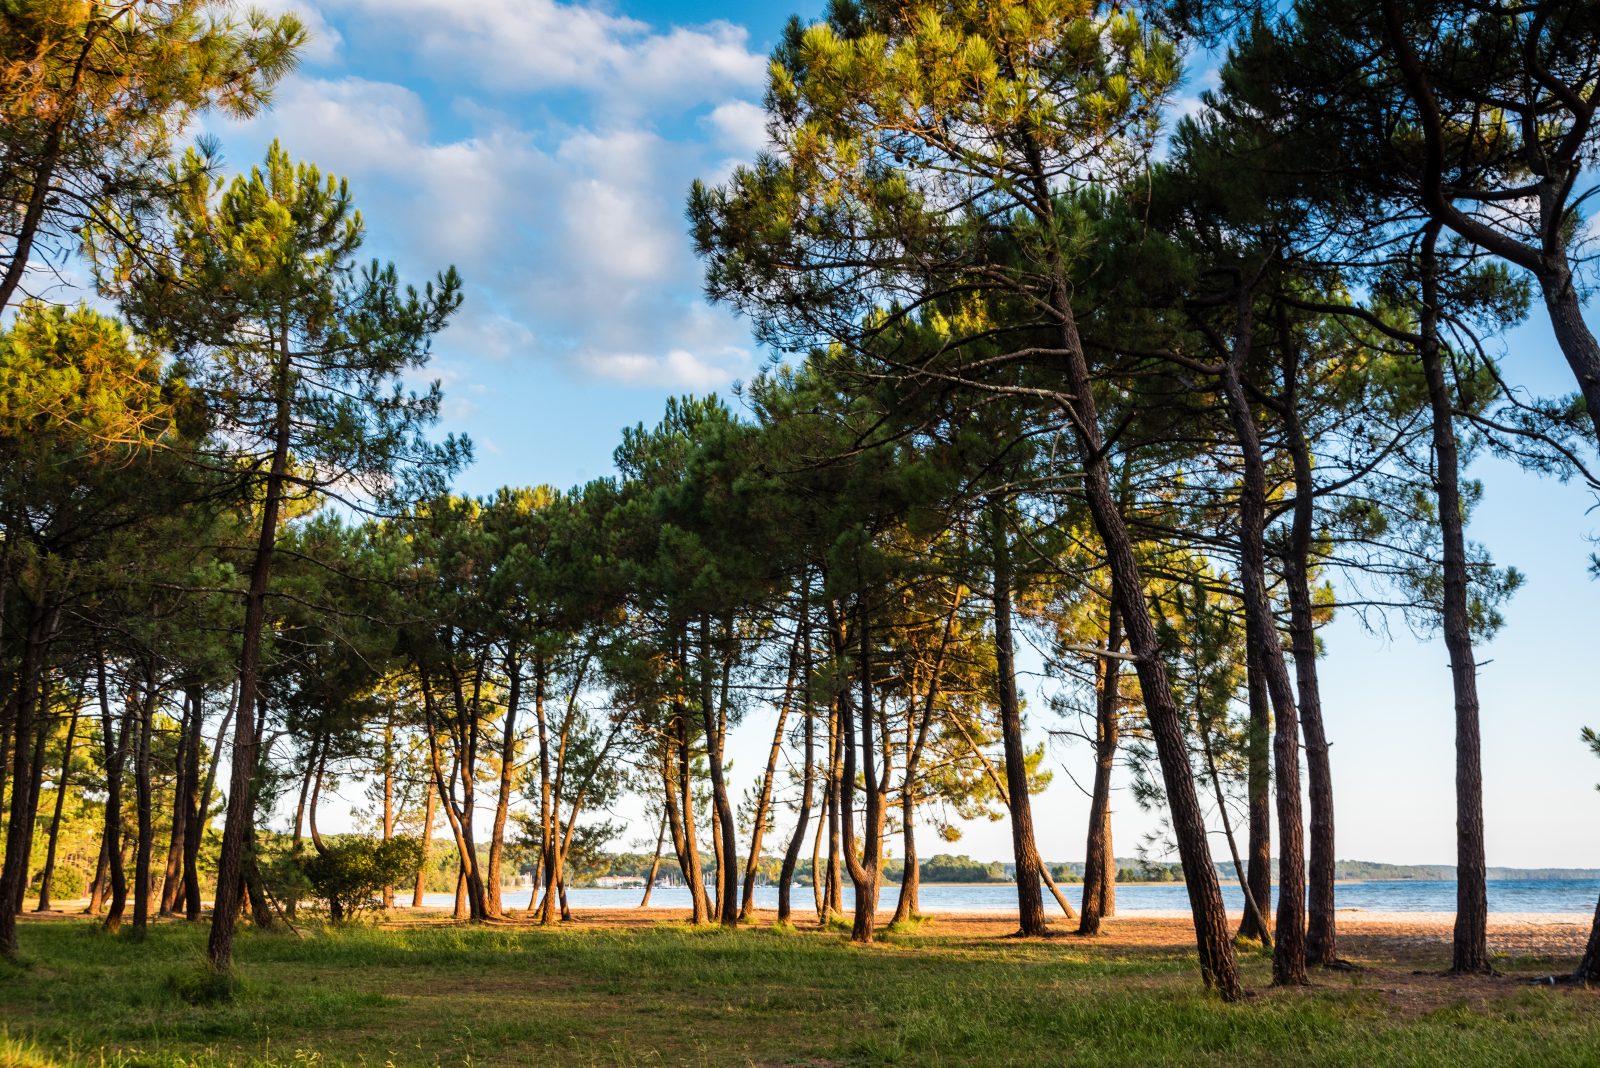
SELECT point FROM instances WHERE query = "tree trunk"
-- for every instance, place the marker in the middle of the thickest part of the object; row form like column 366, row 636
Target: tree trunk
column 833, row 885
column 1470, row 950
column 387, row 827
column 1259, row 790
column 427, row 848
column 655, row 863
column 1577, row 341
column 1322, row 942
column 1030, row 901
column 791, row 856
column 508, row 765
column 97, row 888
column 19, row 830
column 238, row 845
column 1099, row 867
column 1212, row 937
column 1261, row 634
column 694, row 873
column 764, row 802
column 116, row 759
column 55, row 816
column 172, row 872
column 194, row 804
column 727, row 840
column 865, row 862
column 1589, row 967
column 906, row 904
column 144, row 802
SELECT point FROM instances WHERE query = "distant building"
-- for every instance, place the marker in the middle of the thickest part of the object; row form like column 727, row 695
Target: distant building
column 620, row 882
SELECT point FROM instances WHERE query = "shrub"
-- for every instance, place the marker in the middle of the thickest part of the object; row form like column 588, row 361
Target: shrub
column 351, row 875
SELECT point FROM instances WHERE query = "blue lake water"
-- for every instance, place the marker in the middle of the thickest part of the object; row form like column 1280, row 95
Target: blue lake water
column 1506, row 895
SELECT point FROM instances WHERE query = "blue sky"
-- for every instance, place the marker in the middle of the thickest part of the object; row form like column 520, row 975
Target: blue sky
column 546, row 149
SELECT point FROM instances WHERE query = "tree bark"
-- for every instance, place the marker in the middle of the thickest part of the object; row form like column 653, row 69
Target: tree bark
column 55, row 817
column 1261, row 630
column 238, row 846
column 144, row 802
column 1322, row 940
column 508, row 764
column 427, row 848
column 1099, row 867
column 1030, row 901
column 194, row 804
column 764, row 802
column 727, row 840
column 865, row 862
column 19, row 830
column 1218, row 967
column 655, row 863
column 1470, row 947
column 1259, row 790
column 388, row 797
column 791, row 856
column 117, row 744
column 1588, row 970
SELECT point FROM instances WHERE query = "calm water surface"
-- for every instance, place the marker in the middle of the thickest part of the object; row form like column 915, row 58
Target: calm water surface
column 1507, row 895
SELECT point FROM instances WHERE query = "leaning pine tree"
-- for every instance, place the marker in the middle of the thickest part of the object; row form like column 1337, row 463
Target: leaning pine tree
column 300, row 355
column 921, row 150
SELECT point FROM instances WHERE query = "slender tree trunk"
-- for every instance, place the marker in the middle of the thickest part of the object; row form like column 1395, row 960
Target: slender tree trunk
column 1213, row 939
column 194, row 805
column 1259, row 792
column 144, row 802
column 747, row 902
column 1322, row 940
column 117, row 743
column 1289, row 948
column 55, row 816
column 865, row 861
column 388, row 797
column 819, row 881
column 462, row 910
column 1252, row 904
column 695, row 872
column 1470, row 951
column 1030, row 902
column 655, row 863
column 427, row 848
column 791, row 856
column 19, row 829
column 238, row 845
column 508, row 766
column 97, row 888
column 727, row 838
column 905, row 906
column 172, row 873
column 1099, row 867
column 833, row 897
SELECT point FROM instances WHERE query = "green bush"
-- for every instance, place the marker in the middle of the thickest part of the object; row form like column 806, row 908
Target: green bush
column 66, row 882
column 351, row 875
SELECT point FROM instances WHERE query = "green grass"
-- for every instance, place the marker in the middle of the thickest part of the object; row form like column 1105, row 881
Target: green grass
column 675, row 995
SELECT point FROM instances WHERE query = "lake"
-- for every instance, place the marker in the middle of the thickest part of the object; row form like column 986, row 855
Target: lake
column 1505, row 895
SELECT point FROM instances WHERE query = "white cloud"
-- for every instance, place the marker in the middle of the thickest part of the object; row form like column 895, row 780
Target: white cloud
column 739, row 126
column 563, row 209
column 678, row 368
column 532, row 45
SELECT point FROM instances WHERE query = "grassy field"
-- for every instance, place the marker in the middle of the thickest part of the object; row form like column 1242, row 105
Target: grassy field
column 620, row 994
